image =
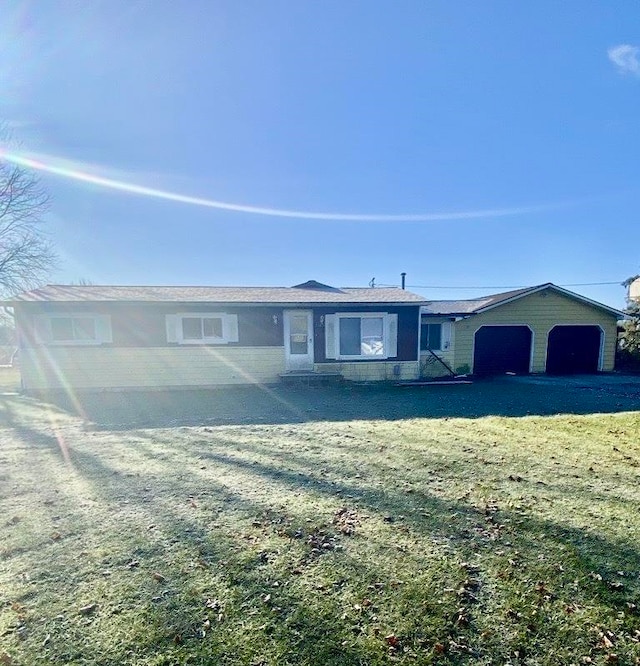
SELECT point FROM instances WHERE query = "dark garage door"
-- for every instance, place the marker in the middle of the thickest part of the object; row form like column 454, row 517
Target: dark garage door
column 501, row 349
column 573, row 349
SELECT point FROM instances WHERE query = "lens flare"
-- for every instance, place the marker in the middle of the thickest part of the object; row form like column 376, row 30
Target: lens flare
column 74, row 171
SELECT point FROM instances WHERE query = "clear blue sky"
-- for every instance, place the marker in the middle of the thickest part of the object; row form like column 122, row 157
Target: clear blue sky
column 343, row 107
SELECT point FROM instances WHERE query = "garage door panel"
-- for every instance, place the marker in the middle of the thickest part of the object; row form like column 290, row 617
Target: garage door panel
column 574, row 350
column 502, row 349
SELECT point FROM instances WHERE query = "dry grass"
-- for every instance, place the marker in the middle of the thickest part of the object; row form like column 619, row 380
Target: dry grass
column 448, row 540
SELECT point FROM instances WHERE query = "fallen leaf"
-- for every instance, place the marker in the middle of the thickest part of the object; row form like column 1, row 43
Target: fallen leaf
column 88, row 609
column 392, row 640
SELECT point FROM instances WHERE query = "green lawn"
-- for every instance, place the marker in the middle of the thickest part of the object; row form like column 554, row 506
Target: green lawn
column 325, row 526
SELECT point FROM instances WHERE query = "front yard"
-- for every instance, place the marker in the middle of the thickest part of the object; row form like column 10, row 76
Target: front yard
column 495, row 523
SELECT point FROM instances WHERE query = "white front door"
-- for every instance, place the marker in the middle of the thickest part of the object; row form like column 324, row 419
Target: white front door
column 298, row 340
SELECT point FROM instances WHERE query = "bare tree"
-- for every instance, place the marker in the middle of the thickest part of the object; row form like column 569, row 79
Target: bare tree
column 26, row 253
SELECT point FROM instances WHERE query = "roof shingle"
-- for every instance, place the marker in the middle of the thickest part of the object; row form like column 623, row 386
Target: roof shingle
column 478, row 305
column 239, row 295
column 472, row 305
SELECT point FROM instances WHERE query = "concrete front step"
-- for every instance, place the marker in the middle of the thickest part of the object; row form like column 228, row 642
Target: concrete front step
column 309, row 378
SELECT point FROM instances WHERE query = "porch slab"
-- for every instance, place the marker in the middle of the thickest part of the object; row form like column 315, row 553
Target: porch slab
column 309, row 378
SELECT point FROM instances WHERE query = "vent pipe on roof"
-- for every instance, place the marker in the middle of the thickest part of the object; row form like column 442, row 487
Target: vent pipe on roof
column 403, row 276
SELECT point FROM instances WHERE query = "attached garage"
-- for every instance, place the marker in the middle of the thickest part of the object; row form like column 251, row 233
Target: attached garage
column 502, row 349
column 536, row 329
column 574, row 350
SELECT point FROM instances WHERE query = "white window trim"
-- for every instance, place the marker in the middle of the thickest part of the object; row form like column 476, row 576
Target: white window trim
column 100, row 322
column 363, row 315
column 206, row 340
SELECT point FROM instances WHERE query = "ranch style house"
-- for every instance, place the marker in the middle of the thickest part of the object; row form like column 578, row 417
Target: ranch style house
column 144, row 337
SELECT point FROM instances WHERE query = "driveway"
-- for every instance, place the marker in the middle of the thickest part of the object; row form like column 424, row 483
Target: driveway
column 609, row 384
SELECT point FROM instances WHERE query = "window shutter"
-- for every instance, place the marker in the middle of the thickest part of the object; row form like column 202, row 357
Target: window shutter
column 391, row 348
column 103, row 328
column 330, row 336
column 41, row 330
column 172, row 322
column 230, row 331
column 445, row 342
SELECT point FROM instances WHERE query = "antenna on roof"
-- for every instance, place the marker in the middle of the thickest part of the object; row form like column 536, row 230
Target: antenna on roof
column 403, row 276
column 372, row 282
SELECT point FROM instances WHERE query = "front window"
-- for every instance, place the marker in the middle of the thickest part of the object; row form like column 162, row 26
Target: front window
column 202, row 329
column 73, row 329
column 431, row 337
column 361, row 336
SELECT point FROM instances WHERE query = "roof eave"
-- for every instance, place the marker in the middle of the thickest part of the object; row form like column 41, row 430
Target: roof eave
column 451, row 313
column 283, row 304
column 549, row 285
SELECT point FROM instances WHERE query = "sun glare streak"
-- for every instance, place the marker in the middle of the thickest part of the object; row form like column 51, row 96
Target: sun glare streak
column 73, row 171
column 250, row 379
column 47, row 364
column 62, row 444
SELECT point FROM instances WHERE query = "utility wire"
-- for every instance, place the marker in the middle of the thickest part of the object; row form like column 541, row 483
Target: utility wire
column 520, row 286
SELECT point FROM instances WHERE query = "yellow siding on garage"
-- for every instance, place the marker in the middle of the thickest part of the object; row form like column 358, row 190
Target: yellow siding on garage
column 148, row 367
column 540, row 311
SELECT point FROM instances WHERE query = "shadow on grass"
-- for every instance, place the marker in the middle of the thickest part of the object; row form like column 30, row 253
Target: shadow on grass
column 271, row 405
column 297, row 625
column 528, row 569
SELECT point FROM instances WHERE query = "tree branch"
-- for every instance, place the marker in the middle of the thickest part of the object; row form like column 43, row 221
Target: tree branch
column 26, row 254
